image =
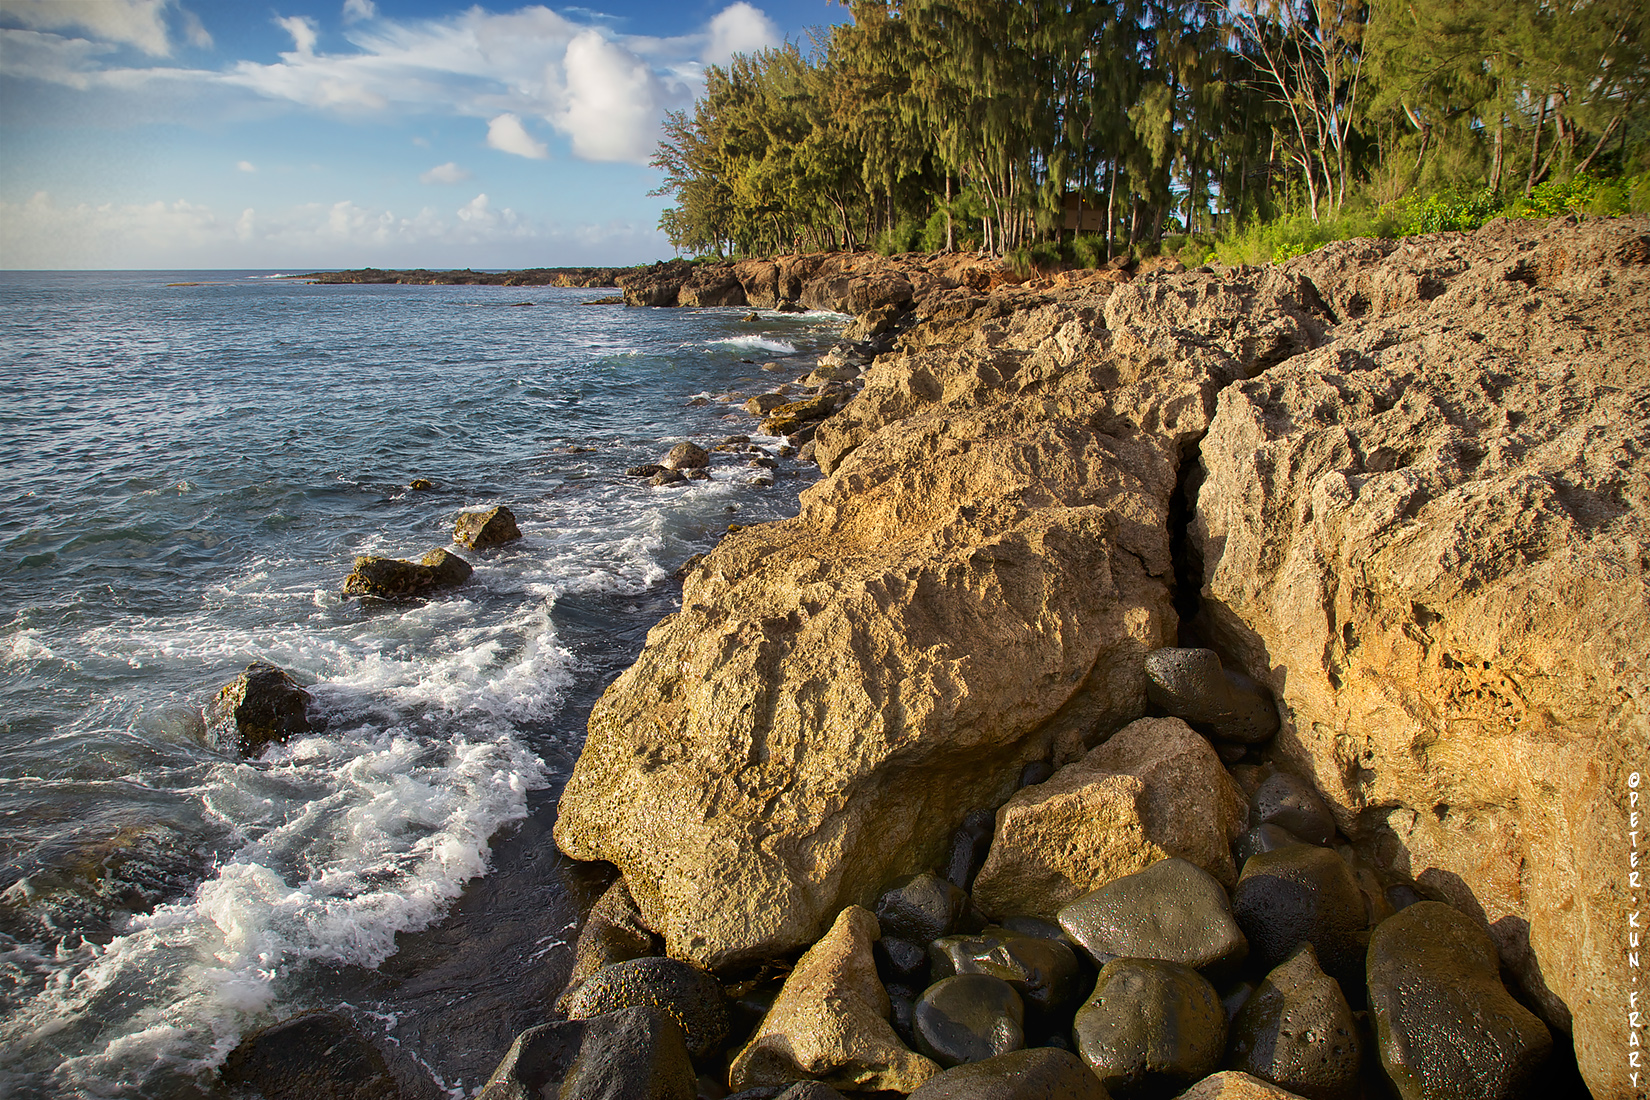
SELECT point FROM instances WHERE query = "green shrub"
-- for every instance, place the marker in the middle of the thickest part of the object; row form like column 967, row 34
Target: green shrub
column 1089, row 251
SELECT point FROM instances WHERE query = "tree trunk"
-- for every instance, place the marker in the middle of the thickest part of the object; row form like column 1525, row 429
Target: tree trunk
column 950, row 242
column 1111, row 209
column 1602, row 138
column 1535, row 147
column 1495, row 168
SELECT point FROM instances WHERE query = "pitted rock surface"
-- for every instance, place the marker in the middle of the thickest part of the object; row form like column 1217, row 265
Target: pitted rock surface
column 1428, row 537
column 1155, row 790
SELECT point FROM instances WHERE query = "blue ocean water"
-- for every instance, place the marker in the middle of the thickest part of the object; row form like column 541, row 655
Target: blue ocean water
column 189, row 470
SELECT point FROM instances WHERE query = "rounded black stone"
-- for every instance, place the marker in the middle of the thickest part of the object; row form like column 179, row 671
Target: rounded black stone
column 1262, row 838
column 1150, row 1028
column 1297, row 1032
column 1444, row 1023
column 1191, row 685
column 921, row 908
column 1303, row 894
column 1289, row 802
column 1173, row 911
column 1043, row 972
column 968, row 1018
column 1041, row 1073
column 689, row 996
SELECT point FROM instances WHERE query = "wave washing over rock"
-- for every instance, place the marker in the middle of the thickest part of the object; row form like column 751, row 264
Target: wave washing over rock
column 1400, row 488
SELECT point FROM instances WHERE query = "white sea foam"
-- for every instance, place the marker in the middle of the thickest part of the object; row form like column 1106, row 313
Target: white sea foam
column 756, row 343
column 26, row 645
column 349, row 840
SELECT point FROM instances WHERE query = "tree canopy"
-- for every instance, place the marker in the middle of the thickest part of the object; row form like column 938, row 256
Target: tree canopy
column 998, row 123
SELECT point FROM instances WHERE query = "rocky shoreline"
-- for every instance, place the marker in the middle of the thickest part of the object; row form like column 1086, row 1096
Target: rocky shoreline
column 1210, row 683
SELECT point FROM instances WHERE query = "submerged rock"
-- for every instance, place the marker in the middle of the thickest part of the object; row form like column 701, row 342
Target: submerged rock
column 686, row 456
column 480, row 530
column 396, row 579
column 314, row 1056
column 262, row 706
column 1445, row 1025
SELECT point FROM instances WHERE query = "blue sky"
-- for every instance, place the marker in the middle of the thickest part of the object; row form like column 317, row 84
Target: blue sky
column 340, row 133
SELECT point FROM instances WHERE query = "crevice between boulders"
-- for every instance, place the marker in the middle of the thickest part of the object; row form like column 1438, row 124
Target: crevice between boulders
column 1186, row 586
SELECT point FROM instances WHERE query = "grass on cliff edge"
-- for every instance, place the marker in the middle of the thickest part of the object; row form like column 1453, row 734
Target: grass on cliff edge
column 1296, row 234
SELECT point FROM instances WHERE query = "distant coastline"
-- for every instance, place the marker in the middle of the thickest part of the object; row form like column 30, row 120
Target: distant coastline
column 536, row 276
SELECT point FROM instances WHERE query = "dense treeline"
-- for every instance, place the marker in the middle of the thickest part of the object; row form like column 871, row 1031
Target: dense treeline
column 1002, row 123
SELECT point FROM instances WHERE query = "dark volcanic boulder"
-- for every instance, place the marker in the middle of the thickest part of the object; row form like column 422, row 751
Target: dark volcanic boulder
column 612, row 933
column 969, row 846
column 633, row 1053
column 688, row 995
column 1303, row 894
column 1042, row 1073
column 1263, row 838
column 316, row 1056
column 1191, row 685
column 1042, row 971
column 1150, row 1028
column 396, row 579
column 479, row 530
column 1446, row 1027
column 1297, row 1031
column 968, row 1018
column 1173, row 911
column 260, row 706
column 1289, row 802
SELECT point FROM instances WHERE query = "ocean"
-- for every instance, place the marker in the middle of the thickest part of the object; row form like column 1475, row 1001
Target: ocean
column 191, row 462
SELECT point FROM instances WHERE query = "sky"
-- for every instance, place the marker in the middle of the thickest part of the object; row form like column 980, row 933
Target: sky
column 274, row 134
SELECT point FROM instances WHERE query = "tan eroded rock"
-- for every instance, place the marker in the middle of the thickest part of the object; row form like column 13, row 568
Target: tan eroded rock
column 973, row 588
column 830, row 1021
column 1429, row 538
column 1155, row 790
column 1233, row 1084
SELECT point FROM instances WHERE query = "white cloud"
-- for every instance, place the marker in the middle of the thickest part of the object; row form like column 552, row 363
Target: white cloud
column 246, row 166
column 355, row 10
column 303, row 31
column 506, row 134
column 445, row 173
column 739, row 28
column 140, row 23
column 605, row 92
column 38, row 233
column 614, row 101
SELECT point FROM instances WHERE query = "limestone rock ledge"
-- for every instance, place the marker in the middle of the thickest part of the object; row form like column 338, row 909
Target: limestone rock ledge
column 1431, row 539
column 973, row 588
column 1418, row 485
